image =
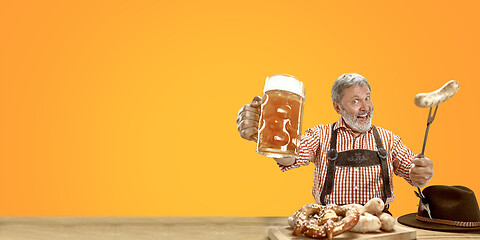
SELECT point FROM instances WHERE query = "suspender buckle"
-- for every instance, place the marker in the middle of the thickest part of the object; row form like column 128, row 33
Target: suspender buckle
column 382, row 152
column 332, row 154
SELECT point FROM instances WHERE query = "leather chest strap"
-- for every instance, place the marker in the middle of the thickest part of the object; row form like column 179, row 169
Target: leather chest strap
column 332, row 155
column 382, row 154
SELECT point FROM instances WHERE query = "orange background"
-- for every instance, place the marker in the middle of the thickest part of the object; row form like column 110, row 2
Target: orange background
column 128, row 108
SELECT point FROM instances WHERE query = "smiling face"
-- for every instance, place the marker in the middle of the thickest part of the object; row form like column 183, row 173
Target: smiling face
column 356, row 107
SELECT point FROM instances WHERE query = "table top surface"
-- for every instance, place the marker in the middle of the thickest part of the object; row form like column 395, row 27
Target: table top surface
column 160, row 228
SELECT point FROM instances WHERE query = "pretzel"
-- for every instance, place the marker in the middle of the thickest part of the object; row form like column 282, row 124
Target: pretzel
column 318, row 221
column 292, row 220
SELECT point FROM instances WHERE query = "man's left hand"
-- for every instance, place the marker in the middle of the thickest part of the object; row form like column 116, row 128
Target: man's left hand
column 421, row 171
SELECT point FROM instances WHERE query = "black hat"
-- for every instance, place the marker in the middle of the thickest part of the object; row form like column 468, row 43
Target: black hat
column 452, row 208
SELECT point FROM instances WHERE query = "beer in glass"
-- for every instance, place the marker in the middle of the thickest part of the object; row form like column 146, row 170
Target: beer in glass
column 280, row 125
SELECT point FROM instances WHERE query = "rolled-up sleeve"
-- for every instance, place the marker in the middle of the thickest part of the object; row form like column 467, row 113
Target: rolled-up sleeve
column 308, row 147
column 402, row 158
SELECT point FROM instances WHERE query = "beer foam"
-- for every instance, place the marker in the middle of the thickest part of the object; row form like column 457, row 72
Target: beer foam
column 284, row 82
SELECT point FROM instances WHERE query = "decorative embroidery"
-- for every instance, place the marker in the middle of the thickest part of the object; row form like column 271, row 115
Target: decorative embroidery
column 357, row 157
column 448, row 222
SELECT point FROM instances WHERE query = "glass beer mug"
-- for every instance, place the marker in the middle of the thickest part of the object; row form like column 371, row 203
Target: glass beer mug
column 280, row 125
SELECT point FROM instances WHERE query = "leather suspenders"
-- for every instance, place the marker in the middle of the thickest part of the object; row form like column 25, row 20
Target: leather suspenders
column 356, row 158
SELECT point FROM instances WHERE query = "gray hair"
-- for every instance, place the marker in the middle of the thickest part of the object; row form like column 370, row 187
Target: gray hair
column 345, row 81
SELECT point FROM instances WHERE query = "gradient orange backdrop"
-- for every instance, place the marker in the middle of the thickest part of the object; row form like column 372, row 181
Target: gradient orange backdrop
column 128, row 108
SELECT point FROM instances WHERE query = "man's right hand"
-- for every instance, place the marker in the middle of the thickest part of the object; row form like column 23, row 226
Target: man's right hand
column 248, row 118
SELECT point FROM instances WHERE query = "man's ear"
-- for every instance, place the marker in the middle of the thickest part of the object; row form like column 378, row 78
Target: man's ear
column 337, row 107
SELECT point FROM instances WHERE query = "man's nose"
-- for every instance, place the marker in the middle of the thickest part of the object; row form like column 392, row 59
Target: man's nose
column 364, row 106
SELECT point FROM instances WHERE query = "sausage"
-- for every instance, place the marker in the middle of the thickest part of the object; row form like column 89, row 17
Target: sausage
column 372, row 218
column 360, row 208
column 374, row 206
column 367, row 223
column 441, row 95
column 292, row 221
column 388, row 222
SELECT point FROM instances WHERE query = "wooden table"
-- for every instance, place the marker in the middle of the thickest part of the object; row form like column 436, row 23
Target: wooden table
column 125, row 228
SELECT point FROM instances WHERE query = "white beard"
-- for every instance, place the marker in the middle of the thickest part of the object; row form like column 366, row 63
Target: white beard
column 351, row 121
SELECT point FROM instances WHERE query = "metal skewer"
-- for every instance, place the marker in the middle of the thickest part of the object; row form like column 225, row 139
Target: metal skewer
column 431, row 99
column 429, row 122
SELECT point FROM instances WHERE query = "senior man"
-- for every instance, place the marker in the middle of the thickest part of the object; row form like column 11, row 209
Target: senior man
column 354, row 160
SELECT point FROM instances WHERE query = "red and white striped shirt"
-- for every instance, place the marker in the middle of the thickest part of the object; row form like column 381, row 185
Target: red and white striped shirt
column 352, row 184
